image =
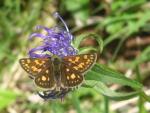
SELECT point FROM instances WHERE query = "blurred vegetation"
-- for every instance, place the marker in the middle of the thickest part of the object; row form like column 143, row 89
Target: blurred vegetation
column 121, row 28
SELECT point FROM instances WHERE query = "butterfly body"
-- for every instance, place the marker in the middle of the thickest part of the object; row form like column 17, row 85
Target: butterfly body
column 56, row 63
column 56, row 73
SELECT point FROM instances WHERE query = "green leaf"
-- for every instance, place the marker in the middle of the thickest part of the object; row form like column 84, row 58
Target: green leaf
column 102, row 73
column 121, row 6
column 80, row 38
column 82, row 15
column 73, row 5
column 114, row 27
column 84, row 50
column 79, row 8
column 133, row 24
column 6, row 98
column 103, row 89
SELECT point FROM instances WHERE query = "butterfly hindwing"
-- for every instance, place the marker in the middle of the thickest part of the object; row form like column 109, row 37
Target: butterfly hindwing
column 34, row 66
column 45, row 80
column 80, row 63
column 69, row 77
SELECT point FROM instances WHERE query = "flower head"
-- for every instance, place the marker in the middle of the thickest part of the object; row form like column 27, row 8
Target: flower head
column 57, row 41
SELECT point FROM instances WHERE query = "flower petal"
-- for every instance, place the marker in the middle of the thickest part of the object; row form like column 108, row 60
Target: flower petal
column 33, row 52
column 37, row 35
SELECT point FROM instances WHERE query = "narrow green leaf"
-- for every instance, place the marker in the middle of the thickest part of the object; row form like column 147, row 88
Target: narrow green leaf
column 103, row 89
column 84, row 50
column 102, row 73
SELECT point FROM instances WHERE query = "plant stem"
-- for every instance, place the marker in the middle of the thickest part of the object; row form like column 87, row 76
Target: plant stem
column 141, row 99
column 106, row 104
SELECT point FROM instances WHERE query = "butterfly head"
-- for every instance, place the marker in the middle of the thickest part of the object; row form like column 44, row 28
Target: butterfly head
column 56, row 60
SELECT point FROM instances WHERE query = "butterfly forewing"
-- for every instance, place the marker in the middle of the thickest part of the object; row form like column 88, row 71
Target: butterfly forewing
column 70, row 78
column 34, row 66
column 80, row 63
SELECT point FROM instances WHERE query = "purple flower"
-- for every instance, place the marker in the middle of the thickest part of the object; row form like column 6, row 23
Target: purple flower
column 57, row 41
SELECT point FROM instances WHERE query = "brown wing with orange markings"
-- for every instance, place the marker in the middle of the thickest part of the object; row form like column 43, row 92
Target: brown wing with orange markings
column 34, row 66
column 41, row 71
column 73, row 68
column 80, row 63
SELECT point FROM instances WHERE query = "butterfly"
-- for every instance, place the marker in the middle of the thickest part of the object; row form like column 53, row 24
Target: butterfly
column 56, row 73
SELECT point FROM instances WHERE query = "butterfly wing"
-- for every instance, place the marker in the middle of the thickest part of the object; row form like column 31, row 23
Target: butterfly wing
column 70, row 78
column 80, row 63
column 41, row 70
column 45, row 80
column 34, row 66
column 73, row 68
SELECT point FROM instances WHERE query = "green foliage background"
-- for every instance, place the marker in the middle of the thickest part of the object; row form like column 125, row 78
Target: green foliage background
column 118, row 30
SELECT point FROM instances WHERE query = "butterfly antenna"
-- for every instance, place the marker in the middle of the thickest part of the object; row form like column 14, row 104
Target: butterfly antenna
column 56, row 15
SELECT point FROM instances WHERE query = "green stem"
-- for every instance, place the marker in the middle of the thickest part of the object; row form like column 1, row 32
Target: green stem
column 117, row 49
column 146, row 97
column 138, row 73
column 106, row 104
column 141, row 99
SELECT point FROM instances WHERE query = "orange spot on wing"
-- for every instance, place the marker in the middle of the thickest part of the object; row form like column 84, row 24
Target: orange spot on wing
column 77, row 59
column 47, row 71
column 88, row 60
column 28, row 61
column 43, row 62
column 43, row 78
column 73, row 76
column 26, row 65
column 68, row 77
column 34, row 68
column 73, row 62
column 81, row 65
column 92, row 58
column 67, row 69
column 85, row 56
column 39, row 70
column 37, row 62
column 75, row 67
column 70, row 60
